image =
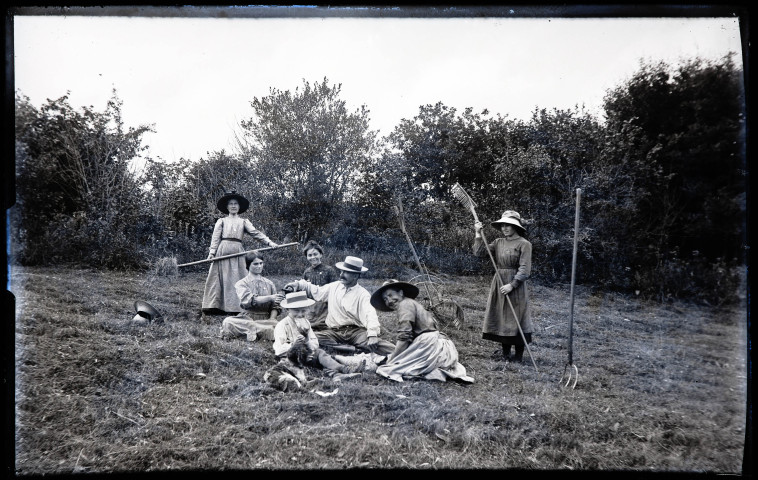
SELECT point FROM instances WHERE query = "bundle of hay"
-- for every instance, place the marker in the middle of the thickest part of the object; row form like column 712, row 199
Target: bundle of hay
column 167, row 267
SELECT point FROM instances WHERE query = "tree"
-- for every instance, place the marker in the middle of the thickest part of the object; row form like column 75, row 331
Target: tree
column 77, row 199
column 306, row 151
column 689, row 122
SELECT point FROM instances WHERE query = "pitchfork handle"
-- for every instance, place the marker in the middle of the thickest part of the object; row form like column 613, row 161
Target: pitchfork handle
column 573, row 277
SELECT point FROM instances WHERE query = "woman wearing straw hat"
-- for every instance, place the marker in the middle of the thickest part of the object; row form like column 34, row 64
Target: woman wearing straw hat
column 219, row 296
column 513, row 256
column 421, row 351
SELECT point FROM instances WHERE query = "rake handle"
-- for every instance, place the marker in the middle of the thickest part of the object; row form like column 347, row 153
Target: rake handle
column 513, row 310
column 232, row 255
column 399, row 212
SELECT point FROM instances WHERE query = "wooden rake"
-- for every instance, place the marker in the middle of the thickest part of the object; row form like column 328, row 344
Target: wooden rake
column 570, row 372
column 460, row 194
column 446, row 310
column 232, row 255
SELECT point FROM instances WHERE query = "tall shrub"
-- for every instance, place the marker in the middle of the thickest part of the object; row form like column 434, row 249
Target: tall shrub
column 77, row 200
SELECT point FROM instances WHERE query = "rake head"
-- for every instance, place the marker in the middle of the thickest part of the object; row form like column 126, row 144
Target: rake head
column 460, row 194
column 449, row 313
column 447, row 310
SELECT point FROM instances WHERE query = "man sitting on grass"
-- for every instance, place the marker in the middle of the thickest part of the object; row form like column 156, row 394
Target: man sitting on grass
column 294, row 331
column 350, row 319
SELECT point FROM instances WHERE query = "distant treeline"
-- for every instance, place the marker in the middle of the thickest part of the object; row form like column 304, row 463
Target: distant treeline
column 663, row 176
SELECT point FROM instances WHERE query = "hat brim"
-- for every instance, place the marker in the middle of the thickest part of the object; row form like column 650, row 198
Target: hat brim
column 409, row 291
column 341, row 266
column 144, row 307
column 223, row 201
column 507, row 221
column 298, row 304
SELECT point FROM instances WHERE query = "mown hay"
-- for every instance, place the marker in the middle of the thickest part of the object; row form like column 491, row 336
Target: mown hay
column 658, row 390
column 166, row 267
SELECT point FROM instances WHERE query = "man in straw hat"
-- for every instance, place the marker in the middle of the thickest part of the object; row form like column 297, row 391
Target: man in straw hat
column 295, row 329
column 350, row 319
column 422, row 351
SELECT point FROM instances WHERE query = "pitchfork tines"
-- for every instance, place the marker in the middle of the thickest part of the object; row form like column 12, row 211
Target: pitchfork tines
column 570, row 375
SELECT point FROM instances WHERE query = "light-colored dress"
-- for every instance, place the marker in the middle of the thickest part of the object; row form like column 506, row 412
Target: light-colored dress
column 219, row 290
column 255, row 320
column 514, row 265
column 431, row 355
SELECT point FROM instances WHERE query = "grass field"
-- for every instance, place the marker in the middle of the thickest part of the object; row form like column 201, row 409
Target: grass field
column 661, row 388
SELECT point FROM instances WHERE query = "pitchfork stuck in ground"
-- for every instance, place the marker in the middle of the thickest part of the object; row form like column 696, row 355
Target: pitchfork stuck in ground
column 570, row 372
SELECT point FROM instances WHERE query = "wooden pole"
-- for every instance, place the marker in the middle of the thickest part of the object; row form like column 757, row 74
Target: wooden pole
column 207, row 260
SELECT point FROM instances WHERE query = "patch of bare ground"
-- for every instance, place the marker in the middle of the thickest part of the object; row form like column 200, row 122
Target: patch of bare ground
column 661, row 388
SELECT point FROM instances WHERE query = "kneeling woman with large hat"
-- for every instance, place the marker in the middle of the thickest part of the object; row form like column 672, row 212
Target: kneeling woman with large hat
column 421, row 351
column 219, row 296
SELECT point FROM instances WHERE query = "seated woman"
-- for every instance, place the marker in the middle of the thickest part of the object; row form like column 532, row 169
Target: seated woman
column 260, row 305
column 295, row 329
column 421, row 351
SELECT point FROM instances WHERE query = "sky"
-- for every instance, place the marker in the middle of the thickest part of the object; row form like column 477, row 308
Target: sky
column 193, row 79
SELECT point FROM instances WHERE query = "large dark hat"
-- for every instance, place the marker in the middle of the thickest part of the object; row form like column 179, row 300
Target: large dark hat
column 351, row 264
column 146, row 310
column 244, row 202
column 409, row 291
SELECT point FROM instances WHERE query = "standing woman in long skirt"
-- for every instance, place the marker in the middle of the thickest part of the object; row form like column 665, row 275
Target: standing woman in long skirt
column 513, row 256
column 220, row 296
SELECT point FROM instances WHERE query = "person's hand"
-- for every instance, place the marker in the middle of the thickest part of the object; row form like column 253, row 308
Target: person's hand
column 278, row 299
column 506, row 289
column 210, row 255
column 372, row 343
column 290, row 287
column 273, row 245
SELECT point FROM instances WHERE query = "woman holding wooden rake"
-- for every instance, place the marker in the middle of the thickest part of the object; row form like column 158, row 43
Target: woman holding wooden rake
column 513, row 256
column 219, row 296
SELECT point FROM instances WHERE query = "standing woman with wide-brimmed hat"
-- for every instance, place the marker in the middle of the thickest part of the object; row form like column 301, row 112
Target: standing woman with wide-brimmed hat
column 219, row 296
column 513, row 257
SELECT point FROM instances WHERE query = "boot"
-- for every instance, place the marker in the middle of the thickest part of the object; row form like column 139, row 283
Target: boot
column 519, row 356
column 507, row 351
column 353, row 368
